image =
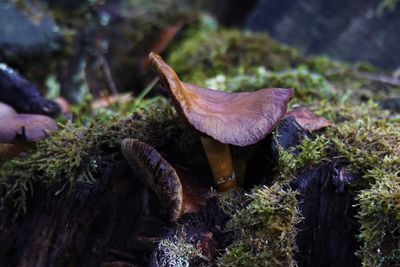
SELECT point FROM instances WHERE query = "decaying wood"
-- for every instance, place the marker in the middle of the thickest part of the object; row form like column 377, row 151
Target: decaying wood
column 85, row 227
column 327, row 233
column 118, row 221
column 22, row 95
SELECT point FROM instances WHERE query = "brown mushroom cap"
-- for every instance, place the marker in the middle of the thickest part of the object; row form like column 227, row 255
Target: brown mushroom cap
column 32, row 128
column 6, row 111
column 161, row 177
column 239, row 119
column 308, row 120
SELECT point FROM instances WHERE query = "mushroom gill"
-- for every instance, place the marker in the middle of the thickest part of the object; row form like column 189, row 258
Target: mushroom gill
column 160, row 176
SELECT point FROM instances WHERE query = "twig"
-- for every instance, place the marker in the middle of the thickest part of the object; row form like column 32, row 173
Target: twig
column 167, row 36
column 147, row 89
column 107, row 73
column 378, row 78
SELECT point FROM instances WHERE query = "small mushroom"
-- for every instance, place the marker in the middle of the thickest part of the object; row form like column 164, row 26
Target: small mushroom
column 30, row 128
column 6, row 111
column 160, row 176
column 19, row 129
column 177, row 194
column 64, row 105
column 224, row 119
column 308, row 120
column 106, row 101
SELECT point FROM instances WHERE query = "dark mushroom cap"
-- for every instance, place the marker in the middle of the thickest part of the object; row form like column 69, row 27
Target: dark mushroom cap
column 161, row 177
column 239, row 119
column 308, row 120
column 6, row 111
column 30, row 128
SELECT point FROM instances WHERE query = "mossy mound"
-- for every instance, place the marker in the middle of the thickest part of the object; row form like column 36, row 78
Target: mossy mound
column 369, row 139
column 232, row 60
column 380, row 219
column 263, row 225
column 300, row 79
column 228, row 52
column 371, row 146
column 363, row 134
column 77, row 153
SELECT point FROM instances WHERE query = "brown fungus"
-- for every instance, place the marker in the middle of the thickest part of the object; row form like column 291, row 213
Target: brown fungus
column 17, row 130
column 308, row 120
column 224, row 119
column 64, row 105
column 26, row 127
column 6, row 111
column 176, row 191
column 160, row 176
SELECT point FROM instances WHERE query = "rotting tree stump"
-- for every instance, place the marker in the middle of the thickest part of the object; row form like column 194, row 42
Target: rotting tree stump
column 115, row 222
column 327, row 232
column 118, row 221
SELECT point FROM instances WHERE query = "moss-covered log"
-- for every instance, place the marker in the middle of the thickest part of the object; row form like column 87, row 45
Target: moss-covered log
column 115, row 220
column 91, row 225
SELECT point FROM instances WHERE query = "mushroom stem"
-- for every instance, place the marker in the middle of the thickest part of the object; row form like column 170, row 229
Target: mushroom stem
column 220, row 160
column 10, row 151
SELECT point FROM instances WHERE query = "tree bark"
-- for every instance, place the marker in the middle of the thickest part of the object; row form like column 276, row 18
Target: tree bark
column 327, row 233
column 114, row 220
column 118, row 221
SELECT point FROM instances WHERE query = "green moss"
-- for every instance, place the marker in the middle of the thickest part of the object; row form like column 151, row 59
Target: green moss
column 232, row 60
column 232, row 52
column 263, row 221
column 347, row 112
column 363, row 134
column 177, row 251
column 369, row 143
column 77, row 153
column 307, row 85
column 367, row 136
column 229, row 202
column 380, row 219
column 228, row 52
column 369, row 139
column 309, row 152
column 386, row 6
column 263, row 228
